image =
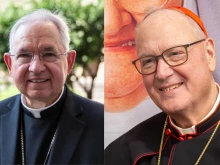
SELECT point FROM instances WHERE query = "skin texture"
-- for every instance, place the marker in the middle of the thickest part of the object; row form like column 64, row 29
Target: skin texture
column 196, row 92
column 124, row 88
column 38, row 37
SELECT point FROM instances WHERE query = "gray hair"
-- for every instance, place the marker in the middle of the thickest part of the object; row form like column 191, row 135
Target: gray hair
column 43, row 15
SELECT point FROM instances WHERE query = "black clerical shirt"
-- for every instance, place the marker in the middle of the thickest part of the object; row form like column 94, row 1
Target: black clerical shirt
column 39, row 132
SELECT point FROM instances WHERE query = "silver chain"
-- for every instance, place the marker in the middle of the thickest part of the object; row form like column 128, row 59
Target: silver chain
column 22, row 144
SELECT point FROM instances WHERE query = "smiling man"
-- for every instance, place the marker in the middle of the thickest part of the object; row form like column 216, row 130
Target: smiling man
column 46, row 123
column 125, row 96
column 176, row 60
column 123, row 85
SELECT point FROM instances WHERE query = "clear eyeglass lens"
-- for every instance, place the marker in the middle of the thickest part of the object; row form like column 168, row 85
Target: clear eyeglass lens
column 174, row 56
column 49, row 57
column 28, row 57
column 24, row 58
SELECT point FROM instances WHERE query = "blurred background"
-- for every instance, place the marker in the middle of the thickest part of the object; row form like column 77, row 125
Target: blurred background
column 85, row 18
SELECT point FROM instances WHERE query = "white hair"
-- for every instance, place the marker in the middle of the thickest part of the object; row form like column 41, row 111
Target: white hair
column 43, row 15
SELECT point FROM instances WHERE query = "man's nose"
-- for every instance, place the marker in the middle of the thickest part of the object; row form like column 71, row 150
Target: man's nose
column 163, row 70
column 36, row 65
column 115, row 18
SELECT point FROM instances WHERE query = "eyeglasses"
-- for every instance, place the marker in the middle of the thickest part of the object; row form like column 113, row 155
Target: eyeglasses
column 173, row 56
column 24, row 58
column 140, row 6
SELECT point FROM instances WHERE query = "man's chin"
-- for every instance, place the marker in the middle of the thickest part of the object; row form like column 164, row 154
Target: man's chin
column 40, row 96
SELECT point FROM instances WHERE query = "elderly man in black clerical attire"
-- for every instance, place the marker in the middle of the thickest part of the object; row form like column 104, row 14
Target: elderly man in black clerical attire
column 46, row 123
column 176, row 59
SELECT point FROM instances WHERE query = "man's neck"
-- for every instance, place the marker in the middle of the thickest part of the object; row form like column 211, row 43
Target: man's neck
column 35, row 104
column 197, row 114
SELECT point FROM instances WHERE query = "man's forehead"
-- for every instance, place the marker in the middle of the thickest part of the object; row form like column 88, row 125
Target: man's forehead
column 36, row 29
column 27, row 38
column 156, row 19
column 161, row 16
column 42, row 48
column 164, row 22
column 162, row 30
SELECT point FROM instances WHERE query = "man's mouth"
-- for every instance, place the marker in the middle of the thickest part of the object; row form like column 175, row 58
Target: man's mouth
column 170, row 87
column 129, row 43
column 38, row 81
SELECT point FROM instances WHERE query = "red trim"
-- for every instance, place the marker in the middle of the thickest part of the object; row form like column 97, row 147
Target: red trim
column 153, row 153
column 174, row 146
column 193, row 16
column 210, row 128
column 196, row 126
column 144, row 156
column 171, row 125
column 171, row 153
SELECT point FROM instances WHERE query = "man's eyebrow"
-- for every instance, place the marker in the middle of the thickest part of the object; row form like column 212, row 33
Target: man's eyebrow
column 146, row 55
column 49, row 49
column 23, row 50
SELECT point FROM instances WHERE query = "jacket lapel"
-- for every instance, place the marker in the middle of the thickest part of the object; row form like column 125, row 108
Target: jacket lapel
column 10, row 133
column 69, row 132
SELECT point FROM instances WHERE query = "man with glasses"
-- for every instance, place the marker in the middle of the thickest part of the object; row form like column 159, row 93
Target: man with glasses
column 46, row 123
column 176, row 60
column 121, row 112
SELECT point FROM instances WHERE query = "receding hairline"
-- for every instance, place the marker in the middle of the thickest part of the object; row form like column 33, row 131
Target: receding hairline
column 196, row 28
column 43, row 15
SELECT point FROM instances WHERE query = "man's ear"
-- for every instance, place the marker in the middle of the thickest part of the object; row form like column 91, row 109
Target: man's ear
column 210, row 53
column 8, row 61
column 71, row 59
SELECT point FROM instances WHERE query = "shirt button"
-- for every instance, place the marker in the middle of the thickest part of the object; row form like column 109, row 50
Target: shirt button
column 181, row 138
column 168, row 131
column 190, row 137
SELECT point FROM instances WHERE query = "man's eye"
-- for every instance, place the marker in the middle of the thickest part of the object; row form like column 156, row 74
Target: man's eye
column 147, row 61
column 24, row 55
column 49, row 55
column 176, row 53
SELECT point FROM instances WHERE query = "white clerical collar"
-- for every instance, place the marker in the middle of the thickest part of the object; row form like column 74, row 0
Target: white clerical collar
column 36, row 112
column 192, row 129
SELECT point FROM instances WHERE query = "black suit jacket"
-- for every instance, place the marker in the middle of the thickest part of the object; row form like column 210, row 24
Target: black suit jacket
column 80, row 133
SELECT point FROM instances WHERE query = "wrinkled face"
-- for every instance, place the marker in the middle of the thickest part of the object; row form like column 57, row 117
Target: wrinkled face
column 39, row 80
column 124, row 86
column 181, row 87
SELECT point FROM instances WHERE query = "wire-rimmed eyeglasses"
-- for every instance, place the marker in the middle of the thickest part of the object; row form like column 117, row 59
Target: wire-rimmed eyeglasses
column 28, row 57
column 173, row 56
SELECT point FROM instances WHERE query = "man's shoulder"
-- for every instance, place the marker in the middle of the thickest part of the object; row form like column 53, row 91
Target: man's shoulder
column 93, row 109
column 147, row 127
column 88, row 103
column 143, row 138
column 6, row 102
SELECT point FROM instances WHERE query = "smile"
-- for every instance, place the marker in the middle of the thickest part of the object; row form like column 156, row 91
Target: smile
column 170, row 87
column 129, row 43
column 38, row 81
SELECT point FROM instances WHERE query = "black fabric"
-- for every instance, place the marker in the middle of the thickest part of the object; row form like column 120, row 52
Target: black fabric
column 140, row 145
column 39, row 132
column 80, row 132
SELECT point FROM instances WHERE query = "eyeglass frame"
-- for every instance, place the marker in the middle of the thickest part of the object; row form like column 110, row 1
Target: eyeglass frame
column 161, row 55
column 40, row 56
